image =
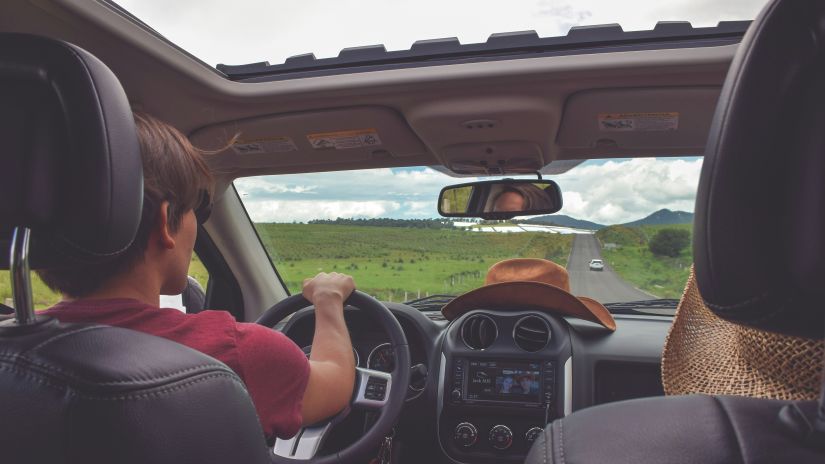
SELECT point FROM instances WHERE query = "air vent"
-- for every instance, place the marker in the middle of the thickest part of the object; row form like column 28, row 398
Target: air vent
column 479, row 332
column 531, row 333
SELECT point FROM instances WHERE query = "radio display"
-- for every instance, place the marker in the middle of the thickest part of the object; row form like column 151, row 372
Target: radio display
column 504, row 381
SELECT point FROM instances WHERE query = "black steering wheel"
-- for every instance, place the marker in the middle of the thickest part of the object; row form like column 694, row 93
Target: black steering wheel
column 304, row 445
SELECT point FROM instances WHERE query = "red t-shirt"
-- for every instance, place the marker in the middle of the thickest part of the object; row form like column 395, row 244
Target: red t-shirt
column 273, row 368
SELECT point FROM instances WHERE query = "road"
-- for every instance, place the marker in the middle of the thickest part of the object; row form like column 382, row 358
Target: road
column 605, row 286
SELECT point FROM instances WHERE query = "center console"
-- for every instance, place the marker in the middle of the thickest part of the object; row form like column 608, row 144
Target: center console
column 503, row 377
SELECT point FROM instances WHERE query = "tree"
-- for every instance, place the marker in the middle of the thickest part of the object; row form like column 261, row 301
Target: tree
column 669, row 242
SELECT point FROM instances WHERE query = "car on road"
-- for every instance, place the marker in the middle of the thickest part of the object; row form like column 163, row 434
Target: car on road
column 334, row 164
column 596, row 265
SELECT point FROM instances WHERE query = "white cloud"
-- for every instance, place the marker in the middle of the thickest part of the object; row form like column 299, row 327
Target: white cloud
column 622, row 191
column 607, row 192
column 247, row 31
column 410, row 193
column 262, row 186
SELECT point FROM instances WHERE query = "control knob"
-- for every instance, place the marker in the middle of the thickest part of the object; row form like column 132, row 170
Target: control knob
column 456, row 394
column 465, row 435
column 501, row 437
column 533, row 434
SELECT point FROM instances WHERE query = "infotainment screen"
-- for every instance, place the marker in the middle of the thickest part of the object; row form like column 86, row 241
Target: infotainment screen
column 504, row 381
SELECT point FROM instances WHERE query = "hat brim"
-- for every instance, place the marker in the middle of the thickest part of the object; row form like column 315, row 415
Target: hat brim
column 533, row 295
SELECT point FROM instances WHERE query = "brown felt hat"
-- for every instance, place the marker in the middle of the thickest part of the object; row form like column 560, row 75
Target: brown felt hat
column 708, row 355
column 529, row 283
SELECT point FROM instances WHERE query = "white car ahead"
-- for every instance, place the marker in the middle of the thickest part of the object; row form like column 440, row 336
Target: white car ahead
column 596, row 265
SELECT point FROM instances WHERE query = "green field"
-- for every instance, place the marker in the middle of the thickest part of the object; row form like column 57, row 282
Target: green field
column 661, row 276
column 397, row 263
column 392, row 263
column 44, row 297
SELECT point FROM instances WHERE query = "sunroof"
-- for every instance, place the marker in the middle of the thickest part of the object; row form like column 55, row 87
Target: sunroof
column 249, row 31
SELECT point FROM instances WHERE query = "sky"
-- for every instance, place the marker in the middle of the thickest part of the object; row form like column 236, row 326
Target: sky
column 247, row 31
column 606, row 192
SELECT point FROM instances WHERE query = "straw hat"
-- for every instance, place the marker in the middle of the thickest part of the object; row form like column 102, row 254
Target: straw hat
column 529, row 283
column 708, row 355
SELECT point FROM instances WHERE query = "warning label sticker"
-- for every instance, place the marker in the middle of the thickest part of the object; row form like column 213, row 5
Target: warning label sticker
column 342, row 140
column 639, row 122
column 264, row 145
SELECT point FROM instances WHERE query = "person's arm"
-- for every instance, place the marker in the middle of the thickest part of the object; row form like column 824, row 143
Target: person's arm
column 331, row 362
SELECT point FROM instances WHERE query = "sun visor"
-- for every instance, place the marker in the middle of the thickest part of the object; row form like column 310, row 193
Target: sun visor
column 651, row 121
column 312, row 141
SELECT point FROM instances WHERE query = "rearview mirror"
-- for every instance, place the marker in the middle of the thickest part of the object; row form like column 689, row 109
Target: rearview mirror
column 500, row 199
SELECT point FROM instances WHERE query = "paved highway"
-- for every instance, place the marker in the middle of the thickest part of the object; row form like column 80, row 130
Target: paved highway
column 605, row 286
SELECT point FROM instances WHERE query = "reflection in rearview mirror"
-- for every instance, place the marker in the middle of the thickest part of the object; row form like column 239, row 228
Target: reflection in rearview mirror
column 500, row 199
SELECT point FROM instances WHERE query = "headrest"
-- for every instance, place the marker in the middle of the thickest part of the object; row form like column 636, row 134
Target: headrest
column 71, row 168
column 759, row 247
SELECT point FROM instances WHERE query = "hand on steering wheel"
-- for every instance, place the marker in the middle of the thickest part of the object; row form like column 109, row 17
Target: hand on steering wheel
column 374, row 390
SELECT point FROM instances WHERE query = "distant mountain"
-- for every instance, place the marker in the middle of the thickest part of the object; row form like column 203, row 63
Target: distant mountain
column 662, row 217
column 564, row 221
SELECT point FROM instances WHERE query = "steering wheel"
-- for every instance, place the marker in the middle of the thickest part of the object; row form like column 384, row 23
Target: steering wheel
column 307, row 442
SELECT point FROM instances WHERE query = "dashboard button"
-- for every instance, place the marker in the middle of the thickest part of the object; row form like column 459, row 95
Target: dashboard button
column 465, row 435
column 501, row 437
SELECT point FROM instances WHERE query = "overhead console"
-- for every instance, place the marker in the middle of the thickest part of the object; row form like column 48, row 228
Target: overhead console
column 504, row 375
column 497, row 135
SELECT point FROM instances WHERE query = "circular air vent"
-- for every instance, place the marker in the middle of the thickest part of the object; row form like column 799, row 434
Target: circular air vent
column 479, row 332
column 531, row 333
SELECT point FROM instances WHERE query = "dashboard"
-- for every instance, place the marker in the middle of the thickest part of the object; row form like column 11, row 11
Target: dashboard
column 484, row 385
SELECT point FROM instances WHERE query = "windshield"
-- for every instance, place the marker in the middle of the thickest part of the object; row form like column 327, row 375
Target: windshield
column 381, row 226
column 250, row 31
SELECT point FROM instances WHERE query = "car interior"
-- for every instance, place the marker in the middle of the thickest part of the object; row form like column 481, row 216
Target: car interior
column 748, row 95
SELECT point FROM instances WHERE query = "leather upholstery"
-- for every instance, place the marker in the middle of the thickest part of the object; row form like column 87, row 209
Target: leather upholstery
column 71, row 167
column 675, row 429
column 71, row 171
column 759, row 247
column 94, row 394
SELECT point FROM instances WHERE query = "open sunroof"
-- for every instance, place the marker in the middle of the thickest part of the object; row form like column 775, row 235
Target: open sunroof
column 511, row 45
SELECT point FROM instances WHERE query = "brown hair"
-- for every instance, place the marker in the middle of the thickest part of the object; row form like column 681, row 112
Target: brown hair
column 174, row 171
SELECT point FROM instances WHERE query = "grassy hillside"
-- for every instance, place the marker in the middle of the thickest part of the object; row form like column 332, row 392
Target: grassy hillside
column 659, row 275
column 44, row 297
column 393, row 262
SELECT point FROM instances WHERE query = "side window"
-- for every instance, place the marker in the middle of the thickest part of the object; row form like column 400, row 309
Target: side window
column 42, row 295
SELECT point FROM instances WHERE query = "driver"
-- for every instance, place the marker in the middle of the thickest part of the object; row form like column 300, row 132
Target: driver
column 287, row 389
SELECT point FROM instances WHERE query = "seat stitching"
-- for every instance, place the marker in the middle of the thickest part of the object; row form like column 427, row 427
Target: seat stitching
column 544, row 439
column 157, row 393
column 727, row 416
column 561, row 440
column 56, row 370
column 64, row 334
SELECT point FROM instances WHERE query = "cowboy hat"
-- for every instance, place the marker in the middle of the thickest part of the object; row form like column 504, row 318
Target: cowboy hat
column 529, row 283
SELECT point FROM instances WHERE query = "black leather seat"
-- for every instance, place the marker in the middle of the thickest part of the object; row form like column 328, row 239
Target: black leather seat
column 759, row 255
column 71, row 173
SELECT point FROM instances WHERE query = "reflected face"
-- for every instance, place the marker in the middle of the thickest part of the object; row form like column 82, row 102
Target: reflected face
column 508, row 202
